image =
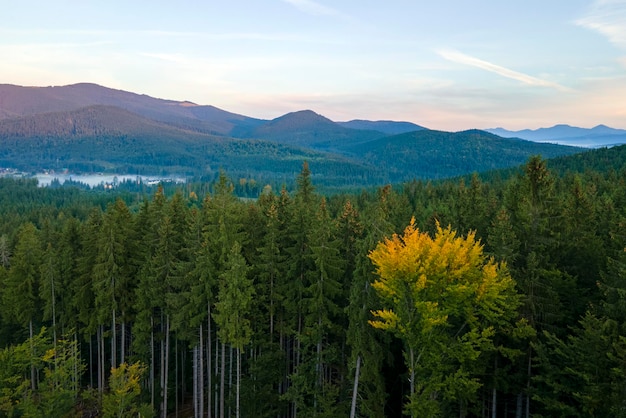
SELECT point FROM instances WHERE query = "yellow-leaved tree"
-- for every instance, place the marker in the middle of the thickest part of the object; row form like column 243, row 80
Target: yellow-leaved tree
column 446, row 301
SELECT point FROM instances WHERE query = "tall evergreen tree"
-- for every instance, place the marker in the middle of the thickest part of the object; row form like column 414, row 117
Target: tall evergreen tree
column 233, row 306
column 21, row 294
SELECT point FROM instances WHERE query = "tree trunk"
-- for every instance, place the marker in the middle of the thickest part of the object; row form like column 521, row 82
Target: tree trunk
column 355, row 388
column 33, row 384
column 91, row 360
column 162, row 368
column 530, row 357
column 54, row 315
column 230, row 376
column 123, row 341
column 222, row 381
column 201, row 375
column 196, row 408
column 113, row 340
column 99, row 376
column 208, row 360
column 412, row 385
column 152, row 359
column 238, row 378
column 176, row 376
column 167, row 363
column 76, row 360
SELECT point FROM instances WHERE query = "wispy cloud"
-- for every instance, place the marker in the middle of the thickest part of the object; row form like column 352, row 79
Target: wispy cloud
column 608, row 17
column 458, row 57
column 314, row 8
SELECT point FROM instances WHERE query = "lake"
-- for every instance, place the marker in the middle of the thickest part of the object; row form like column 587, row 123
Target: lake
column 98, row 179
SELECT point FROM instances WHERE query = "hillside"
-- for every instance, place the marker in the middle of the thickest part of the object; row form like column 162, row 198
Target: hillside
column 388, row 127
column 16, row 101
column 109, row 139
column 437, row 154
column 309, row 129
column 90, row 128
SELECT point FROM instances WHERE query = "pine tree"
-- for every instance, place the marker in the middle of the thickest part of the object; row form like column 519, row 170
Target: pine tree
column 233, row 305
column 320, row 335
column 367, row 351
column 21, row 294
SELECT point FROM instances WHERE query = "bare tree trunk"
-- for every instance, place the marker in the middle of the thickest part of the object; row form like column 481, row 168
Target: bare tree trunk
column 98, row 336
column 54, row 315
column 91, row 361
column 238, row 378
column 230, row 376
column 216, row 373
column 208, row 359
column 123, row 341
column 33, row 384
column 412, row 360
column 162, row 369
column 167, row 362
column 76, row 355
column 355, row 388
column 152, row 359
column 176, row 377
column 113, row 340
column 201, row 375
column 222, row 381
column 196, row 408
column 528, row 383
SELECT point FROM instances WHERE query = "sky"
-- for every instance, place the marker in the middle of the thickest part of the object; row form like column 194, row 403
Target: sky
column 446, row 64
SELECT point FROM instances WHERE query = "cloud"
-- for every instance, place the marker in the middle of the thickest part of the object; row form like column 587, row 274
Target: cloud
column 608, row 17
column 461, row 58
column 314, row 8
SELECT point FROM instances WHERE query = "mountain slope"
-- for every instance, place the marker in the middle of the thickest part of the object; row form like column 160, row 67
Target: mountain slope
column 437, row 154
column 109, row 139
column 309, row 129
column 89, row 128
column 600, row 135
column 388, row 127
column 18, row 101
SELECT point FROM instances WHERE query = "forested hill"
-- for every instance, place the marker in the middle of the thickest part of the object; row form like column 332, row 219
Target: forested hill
column 437, row 154
column 90, row 128
column 296, row 304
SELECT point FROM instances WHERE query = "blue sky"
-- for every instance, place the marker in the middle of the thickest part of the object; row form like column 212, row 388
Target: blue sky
column 446, row 64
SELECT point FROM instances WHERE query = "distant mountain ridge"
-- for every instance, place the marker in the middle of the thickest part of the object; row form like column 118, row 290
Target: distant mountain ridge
column 597, row 136
column 16, row 101
column 385, row 126
column 87, row 128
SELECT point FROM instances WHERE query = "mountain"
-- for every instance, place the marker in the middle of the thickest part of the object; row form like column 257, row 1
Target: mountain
column 90, row 128
column 16, row 101
column 306, row 128
column 598, row 136
column 437, row 154
column 109, row 139
column 388, row 127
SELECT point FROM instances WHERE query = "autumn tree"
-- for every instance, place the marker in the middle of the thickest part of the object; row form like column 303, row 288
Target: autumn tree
column 445, row 300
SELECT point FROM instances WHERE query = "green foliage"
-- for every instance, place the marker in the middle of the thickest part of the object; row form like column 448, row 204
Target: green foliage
column 445, row 301
column 234, row 300
column 57, row 392
column 124, row 391
column 288, row 279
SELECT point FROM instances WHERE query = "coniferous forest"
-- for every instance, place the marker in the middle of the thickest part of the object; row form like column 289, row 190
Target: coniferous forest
column 497, row 296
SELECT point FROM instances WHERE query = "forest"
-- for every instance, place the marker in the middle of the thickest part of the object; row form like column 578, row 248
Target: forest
column 481, row 296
